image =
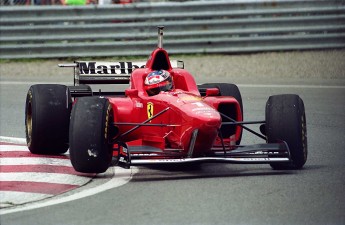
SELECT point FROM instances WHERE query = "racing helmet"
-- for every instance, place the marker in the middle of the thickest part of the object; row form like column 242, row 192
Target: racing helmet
column 157, row 81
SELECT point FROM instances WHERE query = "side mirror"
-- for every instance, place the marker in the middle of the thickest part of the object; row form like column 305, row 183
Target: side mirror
column 212, row 92
column 131, row 92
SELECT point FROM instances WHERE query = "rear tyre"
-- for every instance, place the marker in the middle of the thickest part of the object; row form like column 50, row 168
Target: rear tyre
column 232, row 90
column 47, row 112
column 90, row 148
column 286, row 121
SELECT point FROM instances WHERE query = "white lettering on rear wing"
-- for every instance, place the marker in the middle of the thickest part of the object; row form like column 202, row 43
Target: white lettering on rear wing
column 92, row 72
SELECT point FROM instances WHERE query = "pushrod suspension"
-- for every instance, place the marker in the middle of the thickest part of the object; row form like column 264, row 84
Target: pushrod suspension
column 234, row 122
column 143, row 123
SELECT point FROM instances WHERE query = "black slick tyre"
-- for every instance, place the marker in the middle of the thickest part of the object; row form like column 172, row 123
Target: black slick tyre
column 90, row 148
column 286, row 121
column 227, row 89
column 47, row 113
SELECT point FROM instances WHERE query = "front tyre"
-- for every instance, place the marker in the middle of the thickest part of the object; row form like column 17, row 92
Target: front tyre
column 47, row 112
column 90, row 147
column 286, row 121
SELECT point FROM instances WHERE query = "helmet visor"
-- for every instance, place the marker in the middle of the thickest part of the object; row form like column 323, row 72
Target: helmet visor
column 164, row 86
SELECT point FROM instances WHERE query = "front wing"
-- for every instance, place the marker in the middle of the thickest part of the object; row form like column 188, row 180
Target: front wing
column 251, row 154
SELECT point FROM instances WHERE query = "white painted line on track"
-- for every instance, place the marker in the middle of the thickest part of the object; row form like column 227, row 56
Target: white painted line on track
column 20, row 197
column 34, row 161
column 119, row 177
column 13, row 148
column 44, row 177
column 35, row 177
column 14, row 140
column 115, row 181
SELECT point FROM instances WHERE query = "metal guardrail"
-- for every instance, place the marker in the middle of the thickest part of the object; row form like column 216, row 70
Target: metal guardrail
column 191, row 27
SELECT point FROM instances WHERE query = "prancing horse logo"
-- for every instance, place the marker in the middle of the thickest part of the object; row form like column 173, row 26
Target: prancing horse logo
column 149, row 110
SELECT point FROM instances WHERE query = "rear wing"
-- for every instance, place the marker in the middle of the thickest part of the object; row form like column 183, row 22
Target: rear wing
column 108, row 72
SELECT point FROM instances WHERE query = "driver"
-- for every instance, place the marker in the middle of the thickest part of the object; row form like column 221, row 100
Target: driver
column 157, row 81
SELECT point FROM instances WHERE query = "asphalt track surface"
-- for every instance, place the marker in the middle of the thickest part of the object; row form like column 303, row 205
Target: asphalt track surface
column 213, row 193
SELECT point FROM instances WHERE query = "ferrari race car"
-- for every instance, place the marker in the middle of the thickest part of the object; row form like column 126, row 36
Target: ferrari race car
column 187, row 123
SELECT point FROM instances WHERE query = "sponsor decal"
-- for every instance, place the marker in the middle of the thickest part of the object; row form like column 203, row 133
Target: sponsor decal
column 138, row 104
column 109, row 68
column 92, row 152
column 144, row 154
column 149, row 110
column 198, row 104
column 122, row 159
column 202, row 109
column 251, row 159
column 189, row 98
column 114, row 68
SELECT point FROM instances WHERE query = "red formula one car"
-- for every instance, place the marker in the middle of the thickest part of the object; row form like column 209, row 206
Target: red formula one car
column 162, row 117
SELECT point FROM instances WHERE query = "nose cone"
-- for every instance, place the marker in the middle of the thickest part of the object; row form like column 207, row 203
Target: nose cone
column 208, row 126
column 195, row 117
column 209, row 120
column 205, row 116
column 206, row 120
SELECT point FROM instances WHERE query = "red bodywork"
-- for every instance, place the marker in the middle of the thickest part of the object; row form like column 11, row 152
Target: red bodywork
column 190, row 123
column 182, row 112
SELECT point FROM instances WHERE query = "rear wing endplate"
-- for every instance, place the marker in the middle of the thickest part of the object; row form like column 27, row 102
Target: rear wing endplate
column 108, row 72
